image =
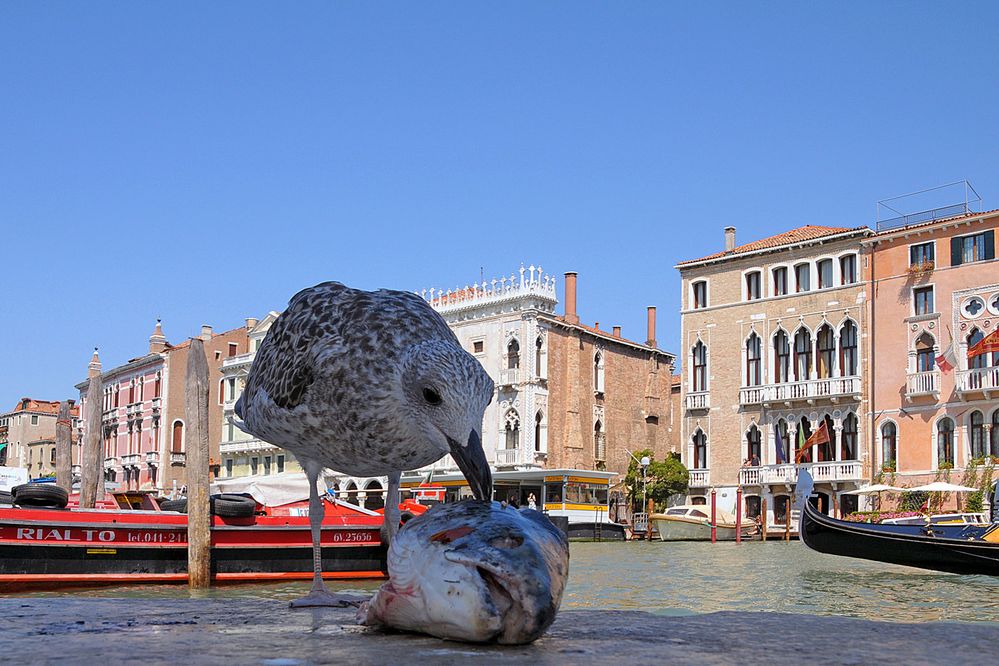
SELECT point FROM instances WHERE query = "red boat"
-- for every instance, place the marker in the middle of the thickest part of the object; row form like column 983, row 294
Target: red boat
column 132, row 540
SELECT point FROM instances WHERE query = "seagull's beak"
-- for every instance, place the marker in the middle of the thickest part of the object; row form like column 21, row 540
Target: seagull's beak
column 472, row 462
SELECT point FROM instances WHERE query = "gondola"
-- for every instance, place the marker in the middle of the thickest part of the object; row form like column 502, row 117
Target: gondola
column 911, row 546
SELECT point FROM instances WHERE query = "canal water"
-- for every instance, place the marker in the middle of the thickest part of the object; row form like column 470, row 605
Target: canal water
column 690, row 578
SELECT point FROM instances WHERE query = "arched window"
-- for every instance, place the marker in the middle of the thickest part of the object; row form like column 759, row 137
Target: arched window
column 131, row 391
column 848, row 359
column 981, row 360
column 945, row 441
column 826, row 452
column 825, row 345
column 994, row 434
column 753, row 446
column 700, row 374
column 177, row 444
column 512, row 430
column 889, row 445
column 782, row 358
column 513, row 355
column 804, row 432
column 157, row 385
column 802, row 355
column 781, row 442
column 599, row 442
column 598, row 372
column 754, row 361
column 848, row 438
column 977, row 423
column 700, row 450
column 540, row 433
column 925, row 355
column 374, row 497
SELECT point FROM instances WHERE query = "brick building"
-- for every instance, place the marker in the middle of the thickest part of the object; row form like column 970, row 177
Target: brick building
column 773, row 342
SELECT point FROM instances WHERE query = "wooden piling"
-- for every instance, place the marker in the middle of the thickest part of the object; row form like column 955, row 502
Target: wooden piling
column 64, row 447
column 648, row 521
column 714, row 516
column 763, row 518
column 738, row 515
column 91, row 458
column 198, row 511
column 787, row 520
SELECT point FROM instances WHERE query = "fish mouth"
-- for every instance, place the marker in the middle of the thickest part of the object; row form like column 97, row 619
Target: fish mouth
column 496, row 591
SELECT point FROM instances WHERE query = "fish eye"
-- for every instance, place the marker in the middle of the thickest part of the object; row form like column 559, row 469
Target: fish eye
column 432, row 396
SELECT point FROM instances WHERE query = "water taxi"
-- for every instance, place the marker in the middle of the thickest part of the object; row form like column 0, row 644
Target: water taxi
column 578, row 499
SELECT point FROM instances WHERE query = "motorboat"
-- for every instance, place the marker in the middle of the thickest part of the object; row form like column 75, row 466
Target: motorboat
column 692, row 522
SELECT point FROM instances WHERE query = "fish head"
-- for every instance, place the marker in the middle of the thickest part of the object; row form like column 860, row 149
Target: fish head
column 445, row 392
column 474, row 571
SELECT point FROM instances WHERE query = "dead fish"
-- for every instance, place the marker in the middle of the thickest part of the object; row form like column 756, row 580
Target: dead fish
column 473, row 571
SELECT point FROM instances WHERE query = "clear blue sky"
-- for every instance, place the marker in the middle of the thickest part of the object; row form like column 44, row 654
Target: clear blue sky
column 201, row 162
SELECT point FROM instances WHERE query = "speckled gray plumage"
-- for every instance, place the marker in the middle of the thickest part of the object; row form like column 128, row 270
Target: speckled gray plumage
column 327, row 381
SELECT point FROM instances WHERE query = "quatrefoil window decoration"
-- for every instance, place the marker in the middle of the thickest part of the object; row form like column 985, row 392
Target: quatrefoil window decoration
column 973, row 306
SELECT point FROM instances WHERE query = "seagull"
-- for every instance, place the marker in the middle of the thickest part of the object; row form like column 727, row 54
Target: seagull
column 368, row 383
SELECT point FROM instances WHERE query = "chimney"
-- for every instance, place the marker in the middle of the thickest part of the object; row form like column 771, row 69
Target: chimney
column 596, row 325
column 729, row 239
column 251, row 323
column 206, row 332
column 157, row 341
column 651, row 341
column 617, row 331
column 570, row 298
column 94, row 369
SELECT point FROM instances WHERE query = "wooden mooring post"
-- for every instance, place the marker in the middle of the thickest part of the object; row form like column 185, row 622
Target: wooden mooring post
column 648, row 521
column 714, row 516
column 91, row 454
column 64, row 446
column 763, row 519
column 787, row 520
column 199, row 552
column 738, row 515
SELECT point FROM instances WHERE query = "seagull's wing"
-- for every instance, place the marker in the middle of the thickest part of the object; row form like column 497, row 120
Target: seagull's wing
column 285, row 363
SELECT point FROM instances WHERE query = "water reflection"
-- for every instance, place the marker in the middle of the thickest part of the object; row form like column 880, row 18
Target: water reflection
column 685, row 578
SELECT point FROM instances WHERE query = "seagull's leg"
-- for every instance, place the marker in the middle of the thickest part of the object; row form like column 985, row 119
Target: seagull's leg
column 319, row 595
column 392, row 513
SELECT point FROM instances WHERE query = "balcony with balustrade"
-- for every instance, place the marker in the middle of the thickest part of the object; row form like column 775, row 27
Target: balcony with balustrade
column 509, row 377
column 131, row 460
column 699, row 478
column 178, row 459
column 832, row 471
column 110, row 462
column 978, row 381
column 833, row 389
column 697, row 401
column 920, row 384
column 508, row 456
column 152, row 458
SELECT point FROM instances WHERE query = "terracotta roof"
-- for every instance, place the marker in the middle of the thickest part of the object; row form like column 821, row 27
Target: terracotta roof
column 799, row 235
column 606, row 335
column 42, row 407
column 943, row 220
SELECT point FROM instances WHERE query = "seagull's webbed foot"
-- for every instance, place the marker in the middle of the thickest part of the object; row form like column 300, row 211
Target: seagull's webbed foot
column 318, row 598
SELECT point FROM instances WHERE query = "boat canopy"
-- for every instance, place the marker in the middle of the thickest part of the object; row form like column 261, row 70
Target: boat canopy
column 271, row 489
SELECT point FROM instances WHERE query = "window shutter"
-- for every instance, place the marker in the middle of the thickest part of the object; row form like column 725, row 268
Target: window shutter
column 955, row 250
column 990, row 244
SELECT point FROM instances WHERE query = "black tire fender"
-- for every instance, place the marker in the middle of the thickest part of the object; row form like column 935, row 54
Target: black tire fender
column 41, row 495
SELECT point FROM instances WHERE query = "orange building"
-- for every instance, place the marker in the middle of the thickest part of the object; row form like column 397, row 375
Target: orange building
column 935, row 292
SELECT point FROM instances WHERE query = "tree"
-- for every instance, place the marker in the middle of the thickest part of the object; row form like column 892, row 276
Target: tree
column 665, row 478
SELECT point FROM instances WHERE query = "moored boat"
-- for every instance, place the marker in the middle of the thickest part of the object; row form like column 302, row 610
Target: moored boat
column 138, row 542
column 961, row 549
column 691, row 522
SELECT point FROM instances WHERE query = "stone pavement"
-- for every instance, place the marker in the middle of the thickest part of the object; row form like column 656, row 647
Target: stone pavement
column 105, row 632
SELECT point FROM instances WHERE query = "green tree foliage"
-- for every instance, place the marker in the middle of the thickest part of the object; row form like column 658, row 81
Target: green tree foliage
column 665, row 478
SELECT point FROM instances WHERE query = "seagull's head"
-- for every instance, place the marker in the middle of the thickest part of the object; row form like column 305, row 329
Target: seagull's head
column 445, row 392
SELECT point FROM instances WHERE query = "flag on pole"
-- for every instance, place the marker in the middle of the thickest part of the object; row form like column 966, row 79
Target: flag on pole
column 781, row 455
column 820, row 436
column 948, row 359
column 988, row 344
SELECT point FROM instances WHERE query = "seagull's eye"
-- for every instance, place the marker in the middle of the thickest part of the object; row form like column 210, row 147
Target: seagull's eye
column 431, row 396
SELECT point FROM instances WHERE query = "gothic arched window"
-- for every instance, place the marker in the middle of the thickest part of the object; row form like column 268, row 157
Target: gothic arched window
column 782, row 358
column 848, row 438
column 802, row 355
column 513, row 355
column 889, row 444
column 825, row 345
column 754, row 361
column 700, row 374
column 700, row 450
column 977, row 423
column 945, row 441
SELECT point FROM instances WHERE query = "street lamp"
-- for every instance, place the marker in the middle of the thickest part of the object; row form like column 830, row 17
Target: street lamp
column 645, row 492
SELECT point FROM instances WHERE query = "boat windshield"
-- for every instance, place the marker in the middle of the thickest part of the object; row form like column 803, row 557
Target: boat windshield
column 698, row 514
column 676, row 512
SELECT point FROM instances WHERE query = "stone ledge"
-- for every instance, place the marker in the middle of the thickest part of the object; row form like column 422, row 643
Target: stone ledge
column 234, row 631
